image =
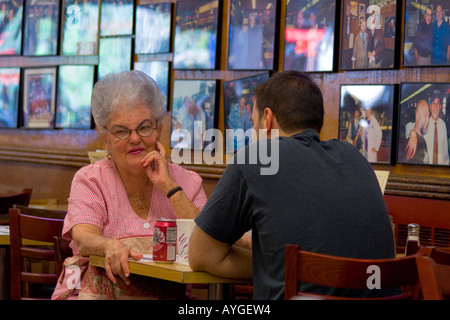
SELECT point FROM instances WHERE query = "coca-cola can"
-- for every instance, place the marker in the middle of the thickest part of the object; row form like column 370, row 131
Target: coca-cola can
column 165, row 241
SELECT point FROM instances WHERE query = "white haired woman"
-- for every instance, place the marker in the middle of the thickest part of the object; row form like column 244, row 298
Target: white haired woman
column 119, row 198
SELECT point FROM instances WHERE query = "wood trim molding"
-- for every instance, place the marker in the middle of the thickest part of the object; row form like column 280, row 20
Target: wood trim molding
column 415, row 186
column 73, row 158
column 398, row 184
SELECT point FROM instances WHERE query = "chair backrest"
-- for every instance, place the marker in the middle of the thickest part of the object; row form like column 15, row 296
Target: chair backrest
column 44, row 213
column 41, row 230
column 440, row 255
column 62, row 251
column 434, row 279
column 6, row 202
column 348, row 273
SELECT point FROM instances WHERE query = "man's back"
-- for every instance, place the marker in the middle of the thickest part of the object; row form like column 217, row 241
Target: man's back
column 325, row 198
column 329, row 201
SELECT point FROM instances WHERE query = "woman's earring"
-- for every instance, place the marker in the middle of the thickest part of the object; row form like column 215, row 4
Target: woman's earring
column 108, row 155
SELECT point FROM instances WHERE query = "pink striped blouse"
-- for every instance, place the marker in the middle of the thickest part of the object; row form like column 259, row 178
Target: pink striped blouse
column 98, row 197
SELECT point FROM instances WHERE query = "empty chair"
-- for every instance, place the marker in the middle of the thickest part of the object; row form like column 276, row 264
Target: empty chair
column 434, row 273
column 398, row 274
column 6, row 202
column 44, row 213
column 41, row 230
column 434, row 279
column 440, row 255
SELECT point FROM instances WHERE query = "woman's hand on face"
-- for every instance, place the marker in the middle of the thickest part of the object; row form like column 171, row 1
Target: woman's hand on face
column 157, row 170
column 116, row 260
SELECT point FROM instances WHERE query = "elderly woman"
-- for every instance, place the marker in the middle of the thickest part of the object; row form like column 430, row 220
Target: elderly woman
column 120, row 197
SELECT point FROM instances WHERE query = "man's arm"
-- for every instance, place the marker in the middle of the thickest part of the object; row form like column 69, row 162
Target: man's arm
column 219, row 258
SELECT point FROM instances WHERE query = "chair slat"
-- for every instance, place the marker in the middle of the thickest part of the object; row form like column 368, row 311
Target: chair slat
column 34, row 253
column 32, row 277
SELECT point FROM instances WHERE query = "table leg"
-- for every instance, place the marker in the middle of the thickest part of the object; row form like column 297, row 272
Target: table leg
column 215, row 291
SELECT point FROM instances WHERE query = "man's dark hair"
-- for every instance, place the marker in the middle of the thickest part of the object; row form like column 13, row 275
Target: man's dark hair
column 295, row 100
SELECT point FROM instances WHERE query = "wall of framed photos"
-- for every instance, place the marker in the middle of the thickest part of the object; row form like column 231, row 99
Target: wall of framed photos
column 46, row 158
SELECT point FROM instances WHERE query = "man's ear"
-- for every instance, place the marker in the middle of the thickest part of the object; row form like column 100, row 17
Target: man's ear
column 267, row 120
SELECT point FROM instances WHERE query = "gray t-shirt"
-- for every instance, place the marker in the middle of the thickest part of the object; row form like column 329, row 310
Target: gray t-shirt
column 325, row 198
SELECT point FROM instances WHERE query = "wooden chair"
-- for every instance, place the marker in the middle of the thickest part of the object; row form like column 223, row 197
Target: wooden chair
column 62, row 251
column 434, row 279
column 44, row 213
column 348, row 273
column 41, row 230
column 6, row 202
column 434, row 273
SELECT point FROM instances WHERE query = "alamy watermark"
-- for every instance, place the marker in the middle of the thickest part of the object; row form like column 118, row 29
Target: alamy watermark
column 212, row 153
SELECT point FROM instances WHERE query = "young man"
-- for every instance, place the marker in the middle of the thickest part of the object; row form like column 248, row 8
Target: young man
column 324, row 197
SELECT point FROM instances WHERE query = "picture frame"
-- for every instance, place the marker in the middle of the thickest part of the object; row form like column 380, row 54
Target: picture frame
column 11, row 27
column 196, row 29
column 40, row 35
column 366, row 119
column 424, row 44
column 116, row 17
column 369, row 35
column 153, row 28
column 80, row 28
column 158, row 71
column 238, row 96
column 39, row 97
column 252, row 35
column 309, row 36
column 421, row 105
column 9, row 91
column 193, row 112
column 73, row 96
column 115, row 55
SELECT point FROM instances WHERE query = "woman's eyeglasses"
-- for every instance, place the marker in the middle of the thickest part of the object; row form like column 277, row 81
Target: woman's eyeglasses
column 144, row 130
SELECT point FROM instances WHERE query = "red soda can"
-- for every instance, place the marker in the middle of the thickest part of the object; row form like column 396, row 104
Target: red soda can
column 165, row 241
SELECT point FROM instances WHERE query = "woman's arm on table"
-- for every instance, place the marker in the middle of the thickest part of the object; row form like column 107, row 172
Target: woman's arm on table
column 90, row 240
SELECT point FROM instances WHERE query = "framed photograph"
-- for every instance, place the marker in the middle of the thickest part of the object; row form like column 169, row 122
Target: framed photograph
column 9, row 93
column 196, row 30
column 309, row 36
column 116, row 17
column 158, row 71
column 368, row 35
column 39, row 97
column 252, row 35
column 193, row 112
column 424, row 124
column 80, row 27
column 238, row 106
column 41, row 27
column 426, row 35
column 366, row 119
column 114, row 55
column 73, row 102
column 11, row 12
column 153, row 23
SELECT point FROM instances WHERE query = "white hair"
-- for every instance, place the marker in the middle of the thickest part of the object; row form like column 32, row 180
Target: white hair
column 128, row 89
